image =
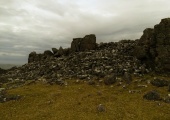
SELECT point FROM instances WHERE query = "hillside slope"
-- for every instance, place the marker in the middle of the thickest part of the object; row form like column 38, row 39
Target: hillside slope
column 79, row 100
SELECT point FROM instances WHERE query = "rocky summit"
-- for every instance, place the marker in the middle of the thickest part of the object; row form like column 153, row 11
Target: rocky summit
column 86, row 59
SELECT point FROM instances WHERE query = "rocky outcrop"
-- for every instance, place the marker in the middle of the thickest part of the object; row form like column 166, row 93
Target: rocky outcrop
column 107, row 59
column 162, row 37
column 78, row 45
column 83, row 44
column 154, row 47
column 33, row 56
column 87, row 60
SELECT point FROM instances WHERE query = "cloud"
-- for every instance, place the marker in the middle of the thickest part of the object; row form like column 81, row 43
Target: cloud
column 36, row 25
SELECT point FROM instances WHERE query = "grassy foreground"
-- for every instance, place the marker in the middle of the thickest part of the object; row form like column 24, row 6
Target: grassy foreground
column 79, row 102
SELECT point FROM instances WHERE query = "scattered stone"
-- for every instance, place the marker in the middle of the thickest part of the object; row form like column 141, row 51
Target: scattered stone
column 142, row 86
column 109, row 80
column 167, row 99
column 159, row 82
column 127, row 77
column 2, row 91
column 12, row 97
column 101, row 108
column 134, row 91
column 91, row 82
column 152, row 95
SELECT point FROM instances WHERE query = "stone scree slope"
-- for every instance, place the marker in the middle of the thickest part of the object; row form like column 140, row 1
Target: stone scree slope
column 87, row 60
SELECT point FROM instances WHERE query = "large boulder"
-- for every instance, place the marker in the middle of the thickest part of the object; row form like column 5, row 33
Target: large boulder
column 159, row 82
column 31, row 57
column 60, row 52
column 75, row 45
column 55, row 50
column 152, row 95
column 109, row 80
column 48, row 53
column 88, row 43
column 83, row 44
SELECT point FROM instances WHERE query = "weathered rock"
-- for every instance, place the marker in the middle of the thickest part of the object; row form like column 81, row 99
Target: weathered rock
column 82, row 44
column 48, row 53
column 109, row 80
column 2, row 91
column 60, row 52
column 55, row 50
column 159, row 82
column 31, row 57
column 167, row 99
column 152, row 95
column 101, row 108
column 88, row 43
column 154, row 47
column 11, row 97
column 127, row 77
column 75, row 45
column 91, row 82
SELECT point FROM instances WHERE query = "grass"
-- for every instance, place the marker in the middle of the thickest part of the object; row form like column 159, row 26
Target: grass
column 79, row 102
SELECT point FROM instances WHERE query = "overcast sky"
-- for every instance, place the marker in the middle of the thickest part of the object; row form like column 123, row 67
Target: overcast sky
column 38, row 25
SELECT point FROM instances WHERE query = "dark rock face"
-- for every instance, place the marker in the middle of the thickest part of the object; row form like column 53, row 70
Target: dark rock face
column 60, row 52
column 82, row 44
column 88, row 43
column 159, row 82
column 154, row 47
column 75, row 45
column 48, row 53
column 2, row 71
column 32, row 57
column 162, row 35
column 152, row 95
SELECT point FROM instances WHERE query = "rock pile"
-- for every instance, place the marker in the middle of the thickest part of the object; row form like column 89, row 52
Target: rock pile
column 107, row 59
column 86, row 59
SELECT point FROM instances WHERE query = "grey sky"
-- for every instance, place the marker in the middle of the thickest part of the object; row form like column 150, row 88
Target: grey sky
column 38, row 25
